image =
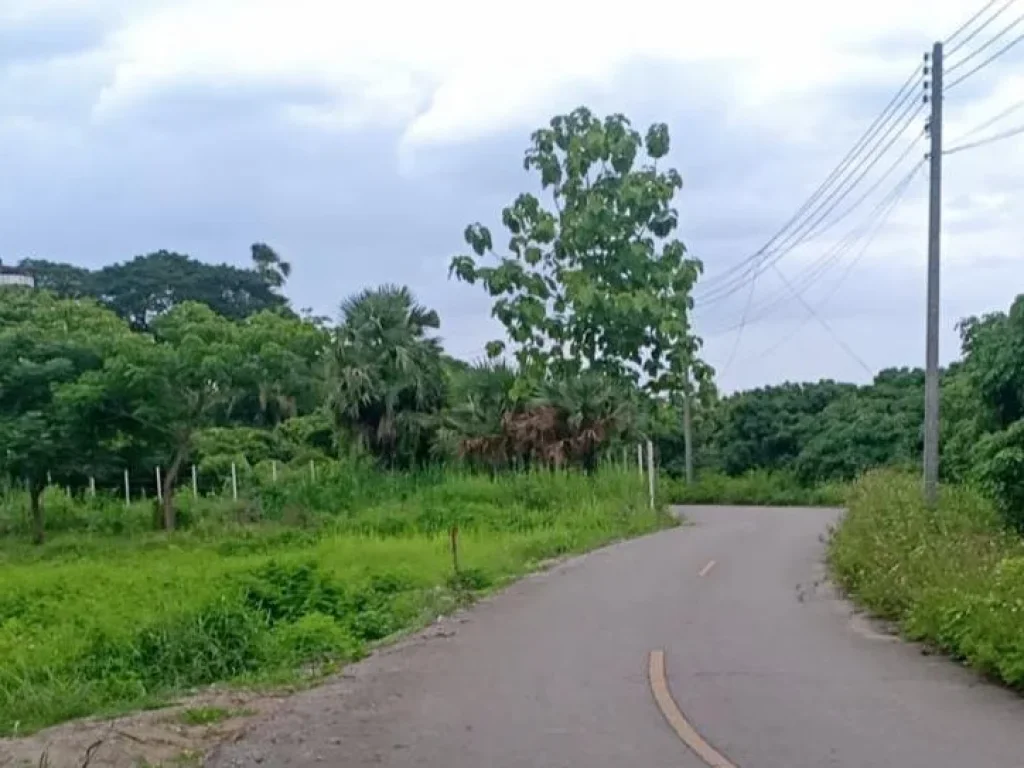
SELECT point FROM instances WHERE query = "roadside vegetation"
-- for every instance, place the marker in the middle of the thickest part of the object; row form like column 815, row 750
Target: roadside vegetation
column 200, row 484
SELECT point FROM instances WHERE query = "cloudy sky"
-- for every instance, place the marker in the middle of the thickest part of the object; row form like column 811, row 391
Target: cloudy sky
column 360, row 138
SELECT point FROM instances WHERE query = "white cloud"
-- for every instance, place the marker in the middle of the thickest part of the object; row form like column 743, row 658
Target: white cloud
column 456, row 69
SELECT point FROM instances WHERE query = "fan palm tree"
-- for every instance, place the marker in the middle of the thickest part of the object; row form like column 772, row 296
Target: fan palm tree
column 384, row 376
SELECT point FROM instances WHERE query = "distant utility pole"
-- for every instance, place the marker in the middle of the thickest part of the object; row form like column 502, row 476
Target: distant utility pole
column 931, row 374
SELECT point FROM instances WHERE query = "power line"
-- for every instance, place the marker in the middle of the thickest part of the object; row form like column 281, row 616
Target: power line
column 821, row 321
column 992, row 121
column 986, row 45
column 719, row 293
column 872, row 131
column 979, row 29
column 892, row 203
column 986, row 62
column 837, row 251
column 982, row 142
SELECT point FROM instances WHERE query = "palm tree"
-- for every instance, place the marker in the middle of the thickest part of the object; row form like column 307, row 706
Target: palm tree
column 481, row 398
column 385, row 378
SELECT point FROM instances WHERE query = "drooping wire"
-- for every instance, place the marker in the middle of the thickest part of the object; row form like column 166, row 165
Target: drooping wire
column 978, row 30
column 892, row 203
column 718, row 293
column 838, row 250
column 1002, row 51
column 821, row 321
column 872, row 131
column 992, row 121
column 982, row 142
column 985, row 46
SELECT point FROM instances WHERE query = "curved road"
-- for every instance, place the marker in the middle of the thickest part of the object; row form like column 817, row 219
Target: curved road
column 768, row 668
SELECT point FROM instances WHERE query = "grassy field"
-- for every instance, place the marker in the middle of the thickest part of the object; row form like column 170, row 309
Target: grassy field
column 109, row 616
column 952, row 577
column 771, row 489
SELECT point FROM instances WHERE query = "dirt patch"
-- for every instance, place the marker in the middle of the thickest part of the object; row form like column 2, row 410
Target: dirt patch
column 175, row 736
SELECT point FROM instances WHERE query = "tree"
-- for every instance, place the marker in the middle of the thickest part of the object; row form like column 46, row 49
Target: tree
column 385, row 377
column 270, row 266
column 596, row 281
column 47, row 346
column 163, row 389
column 146, row 287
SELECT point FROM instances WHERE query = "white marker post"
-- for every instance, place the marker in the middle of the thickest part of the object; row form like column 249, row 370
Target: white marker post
column 273, row 471
column 92, row 487
column 195, row 483
column 127, row 490
column 159, row 487
column 650, row 470
column 234, row 482
column 640, row 459
column 312, row 470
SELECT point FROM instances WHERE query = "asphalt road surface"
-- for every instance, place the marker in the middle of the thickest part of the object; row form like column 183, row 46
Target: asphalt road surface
column 764, row 668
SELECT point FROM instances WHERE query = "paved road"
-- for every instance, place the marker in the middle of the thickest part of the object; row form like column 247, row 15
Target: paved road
column 765, row 663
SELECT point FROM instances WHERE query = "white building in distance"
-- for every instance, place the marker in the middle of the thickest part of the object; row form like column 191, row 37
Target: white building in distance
column 12, row 276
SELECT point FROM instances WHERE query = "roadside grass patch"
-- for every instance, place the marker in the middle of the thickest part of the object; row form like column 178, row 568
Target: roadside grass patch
column 952, row 577
column 117, row 623
column 759, row 488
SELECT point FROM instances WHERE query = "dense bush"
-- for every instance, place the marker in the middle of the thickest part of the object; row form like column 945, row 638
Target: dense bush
column 761, row 488
column 93, row 623
column 952, row 577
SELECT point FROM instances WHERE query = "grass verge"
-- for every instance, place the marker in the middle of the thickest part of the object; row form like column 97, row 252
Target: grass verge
column 768, row 489
column 952, row 577
column 100, row 624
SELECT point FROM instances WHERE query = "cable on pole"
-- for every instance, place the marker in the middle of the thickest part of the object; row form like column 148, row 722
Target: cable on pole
column 872, row 131
column 1002, row 51
column 980, row 28
column 992, row 121
column 984, row 46
column 982, row 142
column 718, row 293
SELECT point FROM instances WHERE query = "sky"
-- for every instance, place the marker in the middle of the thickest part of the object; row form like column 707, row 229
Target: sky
column 359, row 140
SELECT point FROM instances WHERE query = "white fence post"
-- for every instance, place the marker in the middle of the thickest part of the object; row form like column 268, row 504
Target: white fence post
column 159, row 487
column 195, row 483
column 640, row 459
column 127, row 490
column 234, row 482
column 650, row 470
column 312, row 470
column 92, row 487
column 273, row 471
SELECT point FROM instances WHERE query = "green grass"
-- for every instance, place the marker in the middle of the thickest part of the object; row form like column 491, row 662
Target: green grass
column 98, row 622
column 952, row 577
column 771, row 489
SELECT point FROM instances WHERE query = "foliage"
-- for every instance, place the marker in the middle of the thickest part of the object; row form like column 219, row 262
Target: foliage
column 951, row 577
column 91, row 624
column 385, row 374
column 144, row 288
column 596, row 282
column 760, row 488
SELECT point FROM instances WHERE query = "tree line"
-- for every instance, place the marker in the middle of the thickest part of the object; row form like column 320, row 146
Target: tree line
column 164, row 361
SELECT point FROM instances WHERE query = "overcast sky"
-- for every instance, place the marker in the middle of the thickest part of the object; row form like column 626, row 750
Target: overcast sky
column 359, row 139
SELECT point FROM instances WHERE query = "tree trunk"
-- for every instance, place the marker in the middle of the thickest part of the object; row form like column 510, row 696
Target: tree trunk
column 170, row 520
column 35, row 493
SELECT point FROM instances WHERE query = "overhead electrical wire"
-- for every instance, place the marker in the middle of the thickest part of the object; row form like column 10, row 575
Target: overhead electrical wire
column 982, row 142
column 985, row 46
column 1001, row 52
column 991, row 121
column 978, row 30
column 718, row 293
column 891, row 203
column 851, row 156
column 838, row 249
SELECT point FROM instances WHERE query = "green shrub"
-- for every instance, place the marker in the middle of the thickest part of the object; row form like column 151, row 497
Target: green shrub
column 952, row 577
column 759, row 488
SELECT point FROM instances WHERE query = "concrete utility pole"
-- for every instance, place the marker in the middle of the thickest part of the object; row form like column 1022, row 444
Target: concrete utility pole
column 931, row 376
